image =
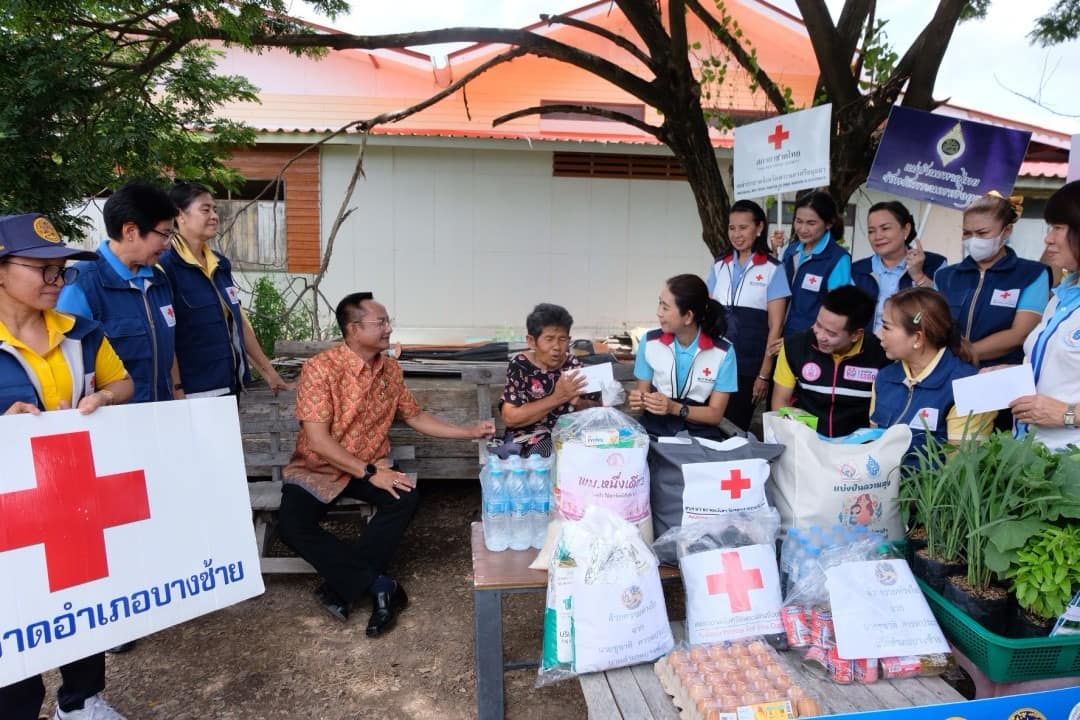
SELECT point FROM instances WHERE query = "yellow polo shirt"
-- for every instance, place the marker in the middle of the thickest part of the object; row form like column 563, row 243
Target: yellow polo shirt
column 51, row 369
column 958, row 427
column 785, row 378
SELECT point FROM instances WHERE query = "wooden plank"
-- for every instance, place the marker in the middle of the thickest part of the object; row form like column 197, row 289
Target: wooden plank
column 659, row 702
column 628, row 695
column 598, row 697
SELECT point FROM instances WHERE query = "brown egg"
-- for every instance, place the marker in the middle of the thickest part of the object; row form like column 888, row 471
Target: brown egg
column 727, row 702
column 774, row 670
column 739, row 650
column 754, row 673
column 716, row 680
column 727, row 665
column 698, row 653
column 808, row 707
column 718, row 652
column 745, row 661
column 752, row 698
column 678, row 658
column 739, row 688
column 758, row 647
column 700, row 691
column 781, row 682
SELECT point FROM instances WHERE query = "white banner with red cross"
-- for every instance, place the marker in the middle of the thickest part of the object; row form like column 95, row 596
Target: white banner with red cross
column 731, row 593
column 118, row 524
column 715, row 488
column 781, row 154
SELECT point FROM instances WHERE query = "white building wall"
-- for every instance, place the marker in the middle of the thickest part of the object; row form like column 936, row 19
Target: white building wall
column 461, row 243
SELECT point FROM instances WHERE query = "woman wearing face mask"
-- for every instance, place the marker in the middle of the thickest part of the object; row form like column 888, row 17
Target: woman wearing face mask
column 1053, row 347
column 898, row 262
column 816, row 263
column 214, row 340
column 685, row 369
column 919, row 334
column 996, row 297
column 752, row 288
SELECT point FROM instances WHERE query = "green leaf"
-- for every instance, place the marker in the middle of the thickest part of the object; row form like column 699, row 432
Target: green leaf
column 1013, row 534
column 998, row 561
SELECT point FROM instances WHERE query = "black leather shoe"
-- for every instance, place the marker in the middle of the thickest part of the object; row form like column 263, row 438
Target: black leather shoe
column 333, row 604
column 122, row 648
column 386, row 607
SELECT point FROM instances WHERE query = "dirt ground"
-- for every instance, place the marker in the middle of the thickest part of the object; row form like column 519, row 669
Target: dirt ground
column 281, row 656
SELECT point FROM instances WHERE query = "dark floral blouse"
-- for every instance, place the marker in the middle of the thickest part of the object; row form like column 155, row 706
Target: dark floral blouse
column 525, row 382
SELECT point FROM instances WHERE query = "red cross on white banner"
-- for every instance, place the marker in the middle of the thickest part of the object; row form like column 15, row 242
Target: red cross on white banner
column 779, row 136
column 70, row 508
column 735, row 483
column 735, row 582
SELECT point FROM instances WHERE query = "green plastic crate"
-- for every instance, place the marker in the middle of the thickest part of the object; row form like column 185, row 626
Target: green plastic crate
column 1005, row 659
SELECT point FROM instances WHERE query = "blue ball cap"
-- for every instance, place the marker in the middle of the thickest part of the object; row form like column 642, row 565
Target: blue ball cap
column 33, row 236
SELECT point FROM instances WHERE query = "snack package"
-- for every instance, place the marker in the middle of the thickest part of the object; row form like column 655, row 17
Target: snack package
column 605, row 606
column 808, row 614
column 822, row 482
column 694, row 478
column 728, row 566
column 601, row 461
column 741, row 679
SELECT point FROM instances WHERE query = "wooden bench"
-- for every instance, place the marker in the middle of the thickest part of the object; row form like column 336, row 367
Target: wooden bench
column 635, row 692
column 269, row 430
column 496, row 574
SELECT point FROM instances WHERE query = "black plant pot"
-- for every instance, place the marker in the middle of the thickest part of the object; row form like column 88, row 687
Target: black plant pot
column 933, row 572
column 990, row 607
column 1023, row 625
column 912, row 546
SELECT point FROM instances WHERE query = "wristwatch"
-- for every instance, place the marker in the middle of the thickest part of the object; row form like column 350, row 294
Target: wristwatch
column 369, row 472
column 1070, row 416
column 684, row 411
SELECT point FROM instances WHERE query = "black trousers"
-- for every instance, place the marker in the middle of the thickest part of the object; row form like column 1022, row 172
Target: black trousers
column 81, row 679
column 348, row 568
column 740, row 407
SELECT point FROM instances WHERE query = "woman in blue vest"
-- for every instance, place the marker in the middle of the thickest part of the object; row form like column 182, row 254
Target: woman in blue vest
column 214, row 340
column 51, row 361
column 1053, row 347
column 995, row 296
column 816, row 263
column 685, row 369
column 898, row 262
column 752, row 288
column 919, row 334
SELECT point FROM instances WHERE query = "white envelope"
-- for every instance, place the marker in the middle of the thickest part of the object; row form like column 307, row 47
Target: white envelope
column 595, row 376
column 993, row 390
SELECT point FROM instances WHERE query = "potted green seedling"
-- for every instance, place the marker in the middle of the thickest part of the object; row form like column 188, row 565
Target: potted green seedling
column 1044, row 577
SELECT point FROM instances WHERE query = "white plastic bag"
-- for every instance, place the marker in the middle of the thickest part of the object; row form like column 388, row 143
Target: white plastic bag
column 605, row 607
column 817, row 482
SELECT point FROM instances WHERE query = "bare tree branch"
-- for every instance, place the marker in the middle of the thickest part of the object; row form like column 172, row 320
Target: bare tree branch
column 619, row 40
column 1035, row 99
column 922, row 60
column 645, row 17
column 833, row 62
column 771, row 89
column 656, row 132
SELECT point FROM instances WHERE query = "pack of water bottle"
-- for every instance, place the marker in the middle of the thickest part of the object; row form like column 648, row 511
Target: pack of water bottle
column 802, row 548
column 517, row 501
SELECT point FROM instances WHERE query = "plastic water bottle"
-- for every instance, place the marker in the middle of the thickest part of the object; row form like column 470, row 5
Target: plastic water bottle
column 520, row 506
column 539, row 498
column 496, row 506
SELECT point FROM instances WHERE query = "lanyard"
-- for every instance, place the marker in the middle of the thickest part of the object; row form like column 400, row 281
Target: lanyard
column 1067, row 303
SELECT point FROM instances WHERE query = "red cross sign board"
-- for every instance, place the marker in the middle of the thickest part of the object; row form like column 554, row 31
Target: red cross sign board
column 714, row 488
column 118, row 524
column 731, row 593
column 781, row 154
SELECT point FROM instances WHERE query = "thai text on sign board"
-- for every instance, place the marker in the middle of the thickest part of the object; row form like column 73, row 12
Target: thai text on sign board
column 781, row 154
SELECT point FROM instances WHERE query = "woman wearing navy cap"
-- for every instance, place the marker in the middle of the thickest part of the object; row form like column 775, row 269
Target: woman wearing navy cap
column 214, row 340
column 51, row 361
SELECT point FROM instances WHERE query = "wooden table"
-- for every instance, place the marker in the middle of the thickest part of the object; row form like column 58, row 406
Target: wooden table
column 635, row 692
column 496, row 574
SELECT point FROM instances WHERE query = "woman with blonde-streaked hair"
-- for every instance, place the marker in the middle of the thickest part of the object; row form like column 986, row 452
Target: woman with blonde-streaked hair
column 919, row 334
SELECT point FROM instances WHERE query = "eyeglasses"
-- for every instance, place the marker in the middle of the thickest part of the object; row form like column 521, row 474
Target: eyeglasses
column 51, row 273
column 381, row 323
column 168, row 236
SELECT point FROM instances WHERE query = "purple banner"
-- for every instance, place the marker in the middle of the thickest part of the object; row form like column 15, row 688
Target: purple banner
column 945, row 161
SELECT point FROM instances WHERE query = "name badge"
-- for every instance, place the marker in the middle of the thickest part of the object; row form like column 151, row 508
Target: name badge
column 234, row 294
column 925, row 419
column 1005, row 298
column 860, row 374
column 169, row 314
column 811, row 282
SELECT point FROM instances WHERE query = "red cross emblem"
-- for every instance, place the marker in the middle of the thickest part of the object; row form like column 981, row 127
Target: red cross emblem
column 759, row 277
column 169, row 312
column 779, row 136
column 706, row 372
column 1005, row 294
column 925, row 413
column 70, row 508
column 735, row 582
column 735, row 484
column 812, row 280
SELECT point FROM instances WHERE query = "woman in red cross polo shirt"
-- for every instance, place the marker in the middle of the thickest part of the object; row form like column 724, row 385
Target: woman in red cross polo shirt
column 51, row 361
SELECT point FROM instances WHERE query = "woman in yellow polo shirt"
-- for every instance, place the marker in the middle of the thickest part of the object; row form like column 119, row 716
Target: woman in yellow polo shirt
column 51, row 361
